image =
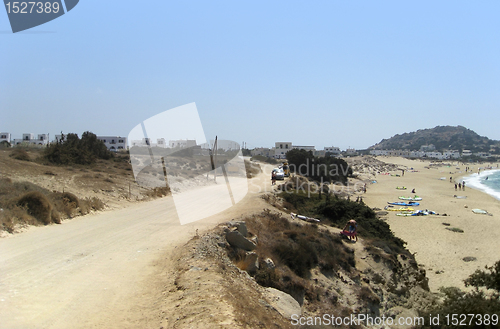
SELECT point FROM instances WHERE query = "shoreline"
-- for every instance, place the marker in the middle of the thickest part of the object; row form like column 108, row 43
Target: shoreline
column 441, row 252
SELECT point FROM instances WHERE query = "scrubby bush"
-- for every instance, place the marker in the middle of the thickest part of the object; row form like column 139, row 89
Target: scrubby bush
column 252, row 169
column 73, row 150
column 337, row 211
column 25, row 203
column 37, row 205
column 20, row 154
column 484, row 300
column 262, row 158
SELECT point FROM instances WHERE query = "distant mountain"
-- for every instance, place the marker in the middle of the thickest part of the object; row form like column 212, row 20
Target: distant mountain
column 442, row 137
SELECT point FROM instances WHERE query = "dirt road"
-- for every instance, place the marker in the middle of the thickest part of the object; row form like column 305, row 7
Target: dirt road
column 102, row 270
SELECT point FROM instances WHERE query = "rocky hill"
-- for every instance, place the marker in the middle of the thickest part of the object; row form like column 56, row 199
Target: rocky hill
column 442, row 137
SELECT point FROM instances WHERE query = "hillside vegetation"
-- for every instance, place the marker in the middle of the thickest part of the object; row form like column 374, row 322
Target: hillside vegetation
column 442, row 137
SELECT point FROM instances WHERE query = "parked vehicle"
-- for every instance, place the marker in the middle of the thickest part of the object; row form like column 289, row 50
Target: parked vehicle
column 280, row 174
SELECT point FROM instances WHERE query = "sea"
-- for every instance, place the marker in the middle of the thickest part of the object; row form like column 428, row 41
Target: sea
column 487, row 181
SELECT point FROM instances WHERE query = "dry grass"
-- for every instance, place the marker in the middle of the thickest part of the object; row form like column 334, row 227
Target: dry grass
column 20, row 154
column 252, row 169
column 36, row 205
column 24, row 203
column 295, row 249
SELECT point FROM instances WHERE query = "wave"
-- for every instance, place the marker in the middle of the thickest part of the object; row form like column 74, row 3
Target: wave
column 487, row 181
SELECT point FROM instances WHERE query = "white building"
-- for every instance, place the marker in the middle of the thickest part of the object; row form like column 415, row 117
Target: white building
column 379, row 152
column 160, row 142
column 114, row 143
column 182, row 143
column 451, row 154
column 333, row 150
column 281, row 148
column 29, row 139
column 466, row 153
column 434, row 155
column 304, row 147
column 351, row 151
column 5, row 137
column 264, row 151
column 482, row 154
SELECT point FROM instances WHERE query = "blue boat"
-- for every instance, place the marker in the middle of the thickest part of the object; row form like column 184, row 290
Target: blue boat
column 411, row 203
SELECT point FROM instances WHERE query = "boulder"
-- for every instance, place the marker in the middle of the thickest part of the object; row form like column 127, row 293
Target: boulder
column 236, row 239
column 285, row 304
column 251, row 262
column 242, row 228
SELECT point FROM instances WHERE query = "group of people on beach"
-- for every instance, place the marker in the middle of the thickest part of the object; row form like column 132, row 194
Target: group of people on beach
column 461, row 186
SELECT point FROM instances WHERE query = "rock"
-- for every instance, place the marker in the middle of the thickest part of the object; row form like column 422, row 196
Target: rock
column 236, row 239
column 469, row 259
column 242, row 228
column 251, row 262
column 269, row 263
column 285, row 304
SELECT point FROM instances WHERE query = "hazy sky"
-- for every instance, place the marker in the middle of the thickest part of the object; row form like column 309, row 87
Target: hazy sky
column 323, row 73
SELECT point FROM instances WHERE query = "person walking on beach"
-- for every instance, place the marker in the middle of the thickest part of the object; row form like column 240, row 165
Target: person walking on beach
column 450, row 179
column 273, row 178
column 455, row 186
column 463, row 186
column 459, row 186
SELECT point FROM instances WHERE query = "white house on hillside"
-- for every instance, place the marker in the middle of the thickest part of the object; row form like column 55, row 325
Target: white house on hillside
column 5, row 137
column 333, row 150
column 281, row 148
column 29, row 139
column 114, row 143
column 182, row 143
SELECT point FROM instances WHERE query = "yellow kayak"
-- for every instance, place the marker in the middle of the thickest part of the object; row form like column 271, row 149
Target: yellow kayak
column 400, row 209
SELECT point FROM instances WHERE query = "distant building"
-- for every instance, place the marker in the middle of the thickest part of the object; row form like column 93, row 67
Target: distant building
column 379, row 152
column 303, row 147
column 482, row 154
column 29, row 139
column 281, row 148
column 264, row 151
column 160, row 142
column 451, row 154
column 182, row 143
column 351, row 151
column 114, row 143
column 333, row 150
column 141, row 143
column 466, row 153
column 5, row 137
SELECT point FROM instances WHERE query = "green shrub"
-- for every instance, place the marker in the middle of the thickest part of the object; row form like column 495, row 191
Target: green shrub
column 337, row 212
column 73, row 150
column 477, row 301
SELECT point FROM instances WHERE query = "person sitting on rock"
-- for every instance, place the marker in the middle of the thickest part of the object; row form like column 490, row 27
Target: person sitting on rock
column 350, row 228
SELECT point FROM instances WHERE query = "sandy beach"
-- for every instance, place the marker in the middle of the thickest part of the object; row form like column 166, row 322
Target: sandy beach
column 439, row 250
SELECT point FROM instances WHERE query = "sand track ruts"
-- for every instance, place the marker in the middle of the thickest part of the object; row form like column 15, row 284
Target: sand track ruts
column 102, row 270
